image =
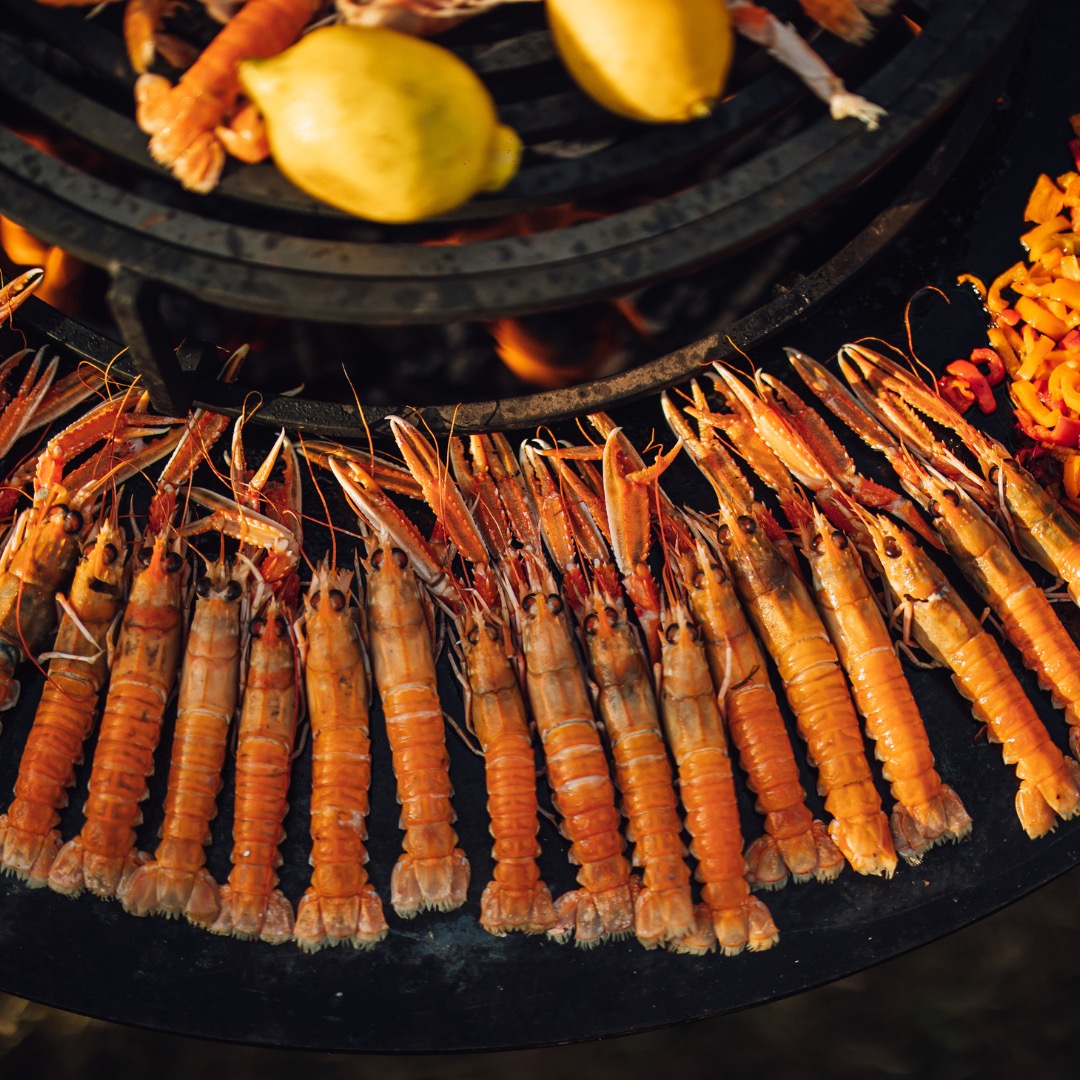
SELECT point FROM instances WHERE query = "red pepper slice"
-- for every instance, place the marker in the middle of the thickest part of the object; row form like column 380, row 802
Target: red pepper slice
column 977, row 383
column 1071, row 340
column 1066, row 432
column 957, row 391
column 1009, row 316
column 995, row 365
column 1074, row 146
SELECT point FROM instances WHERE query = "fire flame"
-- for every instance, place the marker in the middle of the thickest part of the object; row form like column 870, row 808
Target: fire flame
column 63, row 272
column 544, row 364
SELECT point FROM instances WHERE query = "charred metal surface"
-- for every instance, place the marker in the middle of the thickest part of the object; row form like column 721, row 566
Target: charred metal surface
column 195, row 245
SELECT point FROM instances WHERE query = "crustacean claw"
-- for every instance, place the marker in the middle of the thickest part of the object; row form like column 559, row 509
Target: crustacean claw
column 440, row 493
column 18, row 412
column 134, row 439
column 389, row 475
column 15, row 293
column 385, row 519
column 247, row 526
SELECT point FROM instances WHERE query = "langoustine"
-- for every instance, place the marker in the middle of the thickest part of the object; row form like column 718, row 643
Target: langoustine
column 788, row 623
column 944, row 626
column 193, row 123
column 175, row 882
column 29, row 838
column 979, row 548
column 516, row 898
column 695, row 732
column 250, row 904
column 432, row 871
column 794, row 840
column 927, row 811
column 582, row 790
column 745, row 697
column 619, row 667
column 340, row 904
column 145, row 668
column 42, row 549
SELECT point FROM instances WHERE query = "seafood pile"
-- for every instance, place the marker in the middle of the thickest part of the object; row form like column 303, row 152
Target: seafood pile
column 605, row 639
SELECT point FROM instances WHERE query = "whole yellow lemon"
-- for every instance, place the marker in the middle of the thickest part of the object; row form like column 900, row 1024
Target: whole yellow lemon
column 379, row 123
column 661, row 61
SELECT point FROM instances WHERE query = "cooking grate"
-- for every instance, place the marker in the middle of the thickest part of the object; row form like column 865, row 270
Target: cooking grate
column 675, row 199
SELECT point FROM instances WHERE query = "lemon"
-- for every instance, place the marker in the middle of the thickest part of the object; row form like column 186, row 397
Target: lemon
column 661, row 61
column 380, row 124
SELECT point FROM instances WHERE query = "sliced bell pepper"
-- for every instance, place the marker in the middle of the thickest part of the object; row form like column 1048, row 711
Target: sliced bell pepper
column 977, row 383
column 1036, row 316
column 1064, row 432
column 1045, row 201
column 1026, row 396
column 1070, row 476
column 975, row 283
column 995, row 365
column 957, row 392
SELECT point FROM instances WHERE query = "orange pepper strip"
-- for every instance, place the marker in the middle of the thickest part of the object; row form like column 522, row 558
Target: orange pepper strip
column 1069, row 268
column 1035, row 315
column 1043, row 237
column 1000, row 344
column 1045, row 201
column 1064, row 290
column 1070, row 388
column 1071, row 476
column 1026, row 397
column 994, row 300
column 1035, row 356
column 975, row 283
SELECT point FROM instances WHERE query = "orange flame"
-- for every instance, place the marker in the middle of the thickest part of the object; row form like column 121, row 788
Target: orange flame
column 63, row 272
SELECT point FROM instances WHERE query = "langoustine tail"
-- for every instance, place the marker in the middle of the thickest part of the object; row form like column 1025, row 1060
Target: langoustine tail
column 504, row 909
column 28, row 856
column 419, row 884
column 249, row 917
column 154, row 889
column 916, row 829
column 866, row 842
column 594, row 917
column 1039, row 804
column 662, row 916
column 748, row 926
column 77, row 868
column 356, row 920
